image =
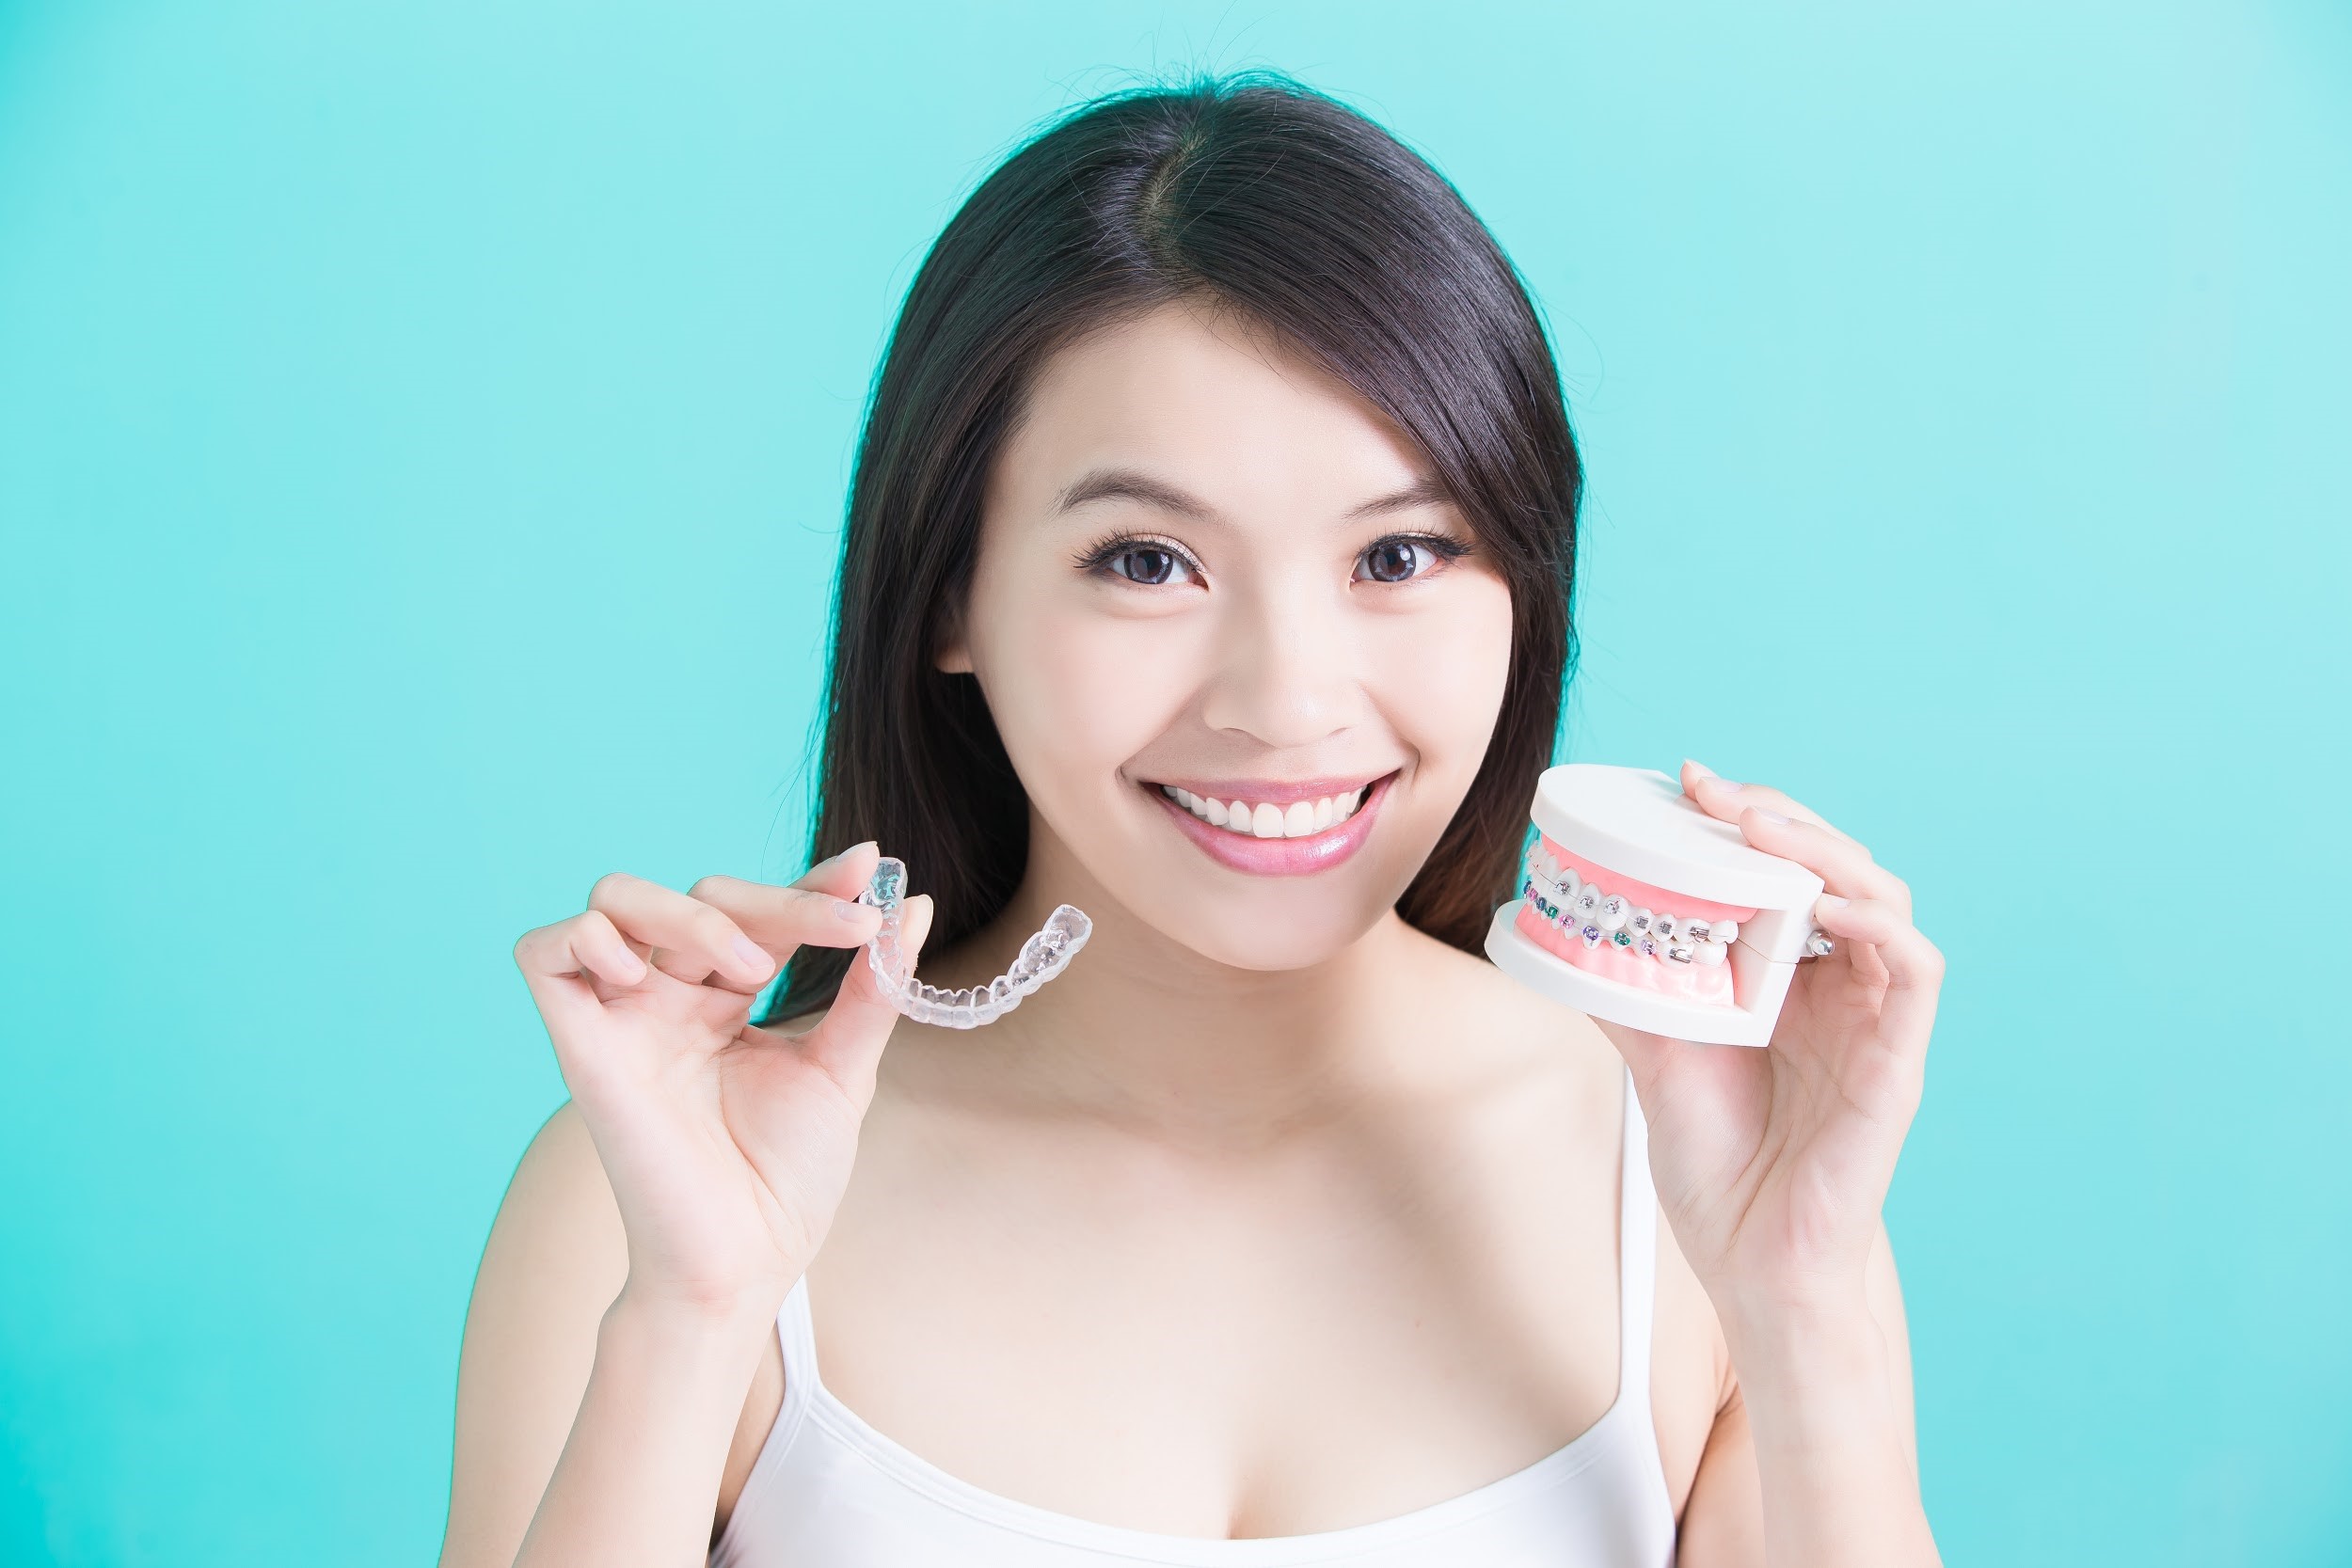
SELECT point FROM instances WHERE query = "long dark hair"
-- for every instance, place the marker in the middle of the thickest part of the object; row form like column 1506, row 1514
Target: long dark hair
column 1269, row 200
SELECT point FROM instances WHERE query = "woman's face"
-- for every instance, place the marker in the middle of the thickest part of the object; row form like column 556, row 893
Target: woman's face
column 1205, row 565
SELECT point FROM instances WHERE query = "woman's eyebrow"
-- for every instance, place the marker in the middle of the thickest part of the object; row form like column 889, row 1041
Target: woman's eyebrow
column 1131, row 484
column 1128, row 485
column 1426, row 491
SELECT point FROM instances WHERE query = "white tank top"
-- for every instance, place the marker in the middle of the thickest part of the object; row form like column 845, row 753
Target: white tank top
column 829, row 1491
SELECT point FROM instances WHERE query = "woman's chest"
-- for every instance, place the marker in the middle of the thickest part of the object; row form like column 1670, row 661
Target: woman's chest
column 1225, row 1348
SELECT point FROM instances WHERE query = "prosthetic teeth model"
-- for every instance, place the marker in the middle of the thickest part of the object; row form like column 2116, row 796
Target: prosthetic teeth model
column 1042, row 957
column 1637, row 906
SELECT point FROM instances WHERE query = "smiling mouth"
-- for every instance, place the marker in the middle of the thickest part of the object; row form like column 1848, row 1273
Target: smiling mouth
column 1274, row 827
column 1287, row 819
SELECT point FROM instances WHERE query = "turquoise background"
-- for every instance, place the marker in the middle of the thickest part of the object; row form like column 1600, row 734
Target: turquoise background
column 423, row 436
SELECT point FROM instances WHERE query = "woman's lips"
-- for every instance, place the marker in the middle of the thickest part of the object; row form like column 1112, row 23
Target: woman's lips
column 1279, row 857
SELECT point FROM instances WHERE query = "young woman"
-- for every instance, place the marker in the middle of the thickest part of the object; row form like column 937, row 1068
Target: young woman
column 1218, row 451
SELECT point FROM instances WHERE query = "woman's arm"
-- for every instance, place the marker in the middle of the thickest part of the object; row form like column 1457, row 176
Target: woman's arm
column 1824, row 1506
column 576, row 1405
column 637, row 1263
column 1771, row 1167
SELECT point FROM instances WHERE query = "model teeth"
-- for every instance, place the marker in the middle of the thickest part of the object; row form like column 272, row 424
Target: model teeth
column 1599, row 918
column 1266, row 819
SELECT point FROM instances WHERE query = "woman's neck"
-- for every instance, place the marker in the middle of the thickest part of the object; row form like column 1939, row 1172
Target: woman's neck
column 1147, row 1034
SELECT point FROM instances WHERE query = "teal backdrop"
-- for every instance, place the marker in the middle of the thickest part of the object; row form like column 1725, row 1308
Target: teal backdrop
column 422, row 437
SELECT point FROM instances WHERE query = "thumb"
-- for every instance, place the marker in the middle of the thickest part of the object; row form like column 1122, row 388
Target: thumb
column 848, row 1043
column 1645, row 1053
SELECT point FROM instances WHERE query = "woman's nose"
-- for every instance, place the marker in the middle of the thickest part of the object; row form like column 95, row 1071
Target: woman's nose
column 1283, row 671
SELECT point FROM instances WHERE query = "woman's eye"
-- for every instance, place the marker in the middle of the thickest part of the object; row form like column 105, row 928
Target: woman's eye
column 1395, row 561
column 1147, row 564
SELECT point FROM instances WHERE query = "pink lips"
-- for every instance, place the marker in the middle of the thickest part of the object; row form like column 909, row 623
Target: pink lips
column 1282, row 857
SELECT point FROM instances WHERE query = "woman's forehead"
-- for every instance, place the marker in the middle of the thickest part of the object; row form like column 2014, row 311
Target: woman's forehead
column 1192, row 412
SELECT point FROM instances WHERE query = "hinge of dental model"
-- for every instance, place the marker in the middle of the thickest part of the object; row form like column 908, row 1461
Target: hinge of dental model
column 1042, row 957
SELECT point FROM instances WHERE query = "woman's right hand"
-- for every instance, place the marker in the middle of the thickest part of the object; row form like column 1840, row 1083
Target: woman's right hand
column 727, row 1146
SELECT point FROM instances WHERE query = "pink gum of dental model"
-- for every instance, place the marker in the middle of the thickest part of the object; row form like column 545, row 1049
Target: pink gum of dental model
column 1710, row 986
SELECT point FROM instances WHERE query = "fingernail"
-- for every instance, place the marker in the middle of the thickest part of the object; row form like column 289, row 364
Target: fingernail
column 754, row 955
column 1771, row 816
column 1831, row 901
column 1699, row 768
column 850, row 909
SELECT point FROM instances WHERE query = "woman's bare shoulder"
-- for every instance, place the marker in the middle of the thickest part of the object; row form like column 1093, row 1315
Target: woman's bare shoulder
column 1472, row 997
column 556, row 1257
column 559, row 1193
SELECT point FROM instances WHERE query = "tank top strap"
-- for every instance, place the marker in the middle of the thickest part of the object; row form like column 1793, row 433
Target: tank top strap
column 1637, row 1256
column 796, row 1336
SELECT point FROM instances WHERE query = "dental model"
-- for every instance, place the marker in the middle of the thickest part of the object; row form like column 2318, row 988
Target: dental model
column 1042, row 957
column 1637, row 906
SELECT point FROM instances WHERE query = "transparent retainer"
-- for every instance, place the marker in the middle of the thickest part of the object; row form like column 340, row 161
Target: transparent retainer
column 1042, row 957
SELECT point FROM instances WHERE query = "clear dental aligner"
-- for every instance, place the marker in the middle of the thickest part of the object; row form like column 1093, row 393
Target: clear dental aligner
column 1042, row 957
column 1604, row 923
column 1264, row 820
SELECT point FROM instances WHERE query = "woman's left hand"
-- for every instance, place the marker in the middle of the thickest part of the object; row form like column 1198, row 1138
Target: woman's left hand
column 1771, row 1164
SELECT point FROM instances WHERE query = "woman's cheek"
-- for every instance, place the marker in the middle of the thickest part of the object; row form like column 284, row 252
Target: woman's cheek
column 1440, row 680
column 1076, row 696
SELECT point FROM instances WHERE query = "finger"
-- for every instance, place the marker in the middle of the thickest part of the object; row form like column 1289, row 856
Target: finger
column 1844, row 866
column 847, row 1041
column 914, row 923
column 1726, row 799
column 1915, row 968
column 561, row 962
column 783, row 919
column 1644, row 1053
column 683, row 937
column 587, row 944
column 844, row 875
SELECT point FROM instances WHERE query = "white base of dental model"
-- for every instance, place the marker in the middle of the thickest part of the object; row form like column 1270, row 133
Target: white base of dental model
column 1042, row 957
column 1632, row 829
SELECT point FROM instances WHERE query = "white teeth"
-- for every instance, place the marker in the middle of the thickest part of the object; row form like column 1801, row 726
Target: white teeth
column 1587, row 902
column 1613, row 911
column 1711, row 953
column 1293, row 819
column 1638, row 922
column 1666, row 927
column 1569, row 884
column 1725, row 932
column 1694, row 929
